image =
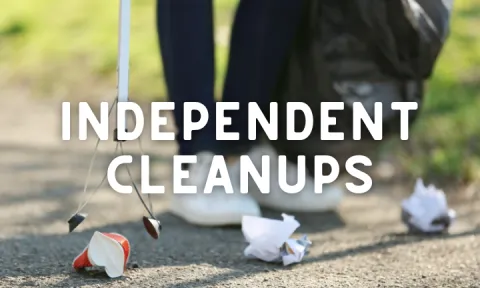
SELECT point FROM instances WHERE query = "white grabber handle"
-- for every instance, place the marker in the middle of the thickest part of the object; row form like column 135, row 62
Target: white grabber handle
column 123, row 53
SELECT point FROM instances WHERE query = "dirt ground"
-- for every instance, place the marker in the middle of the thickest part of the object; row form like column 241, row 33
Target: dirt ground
column 363, row 245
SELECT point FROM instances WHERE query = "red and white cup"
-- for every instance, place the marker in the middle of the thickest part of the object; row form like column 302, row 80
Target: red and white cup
column 108, row 250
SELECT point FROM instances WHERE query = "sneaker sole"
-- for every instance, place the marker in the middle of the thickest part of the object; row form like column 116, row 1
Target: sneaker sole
column 209, row 221
column 329, row 202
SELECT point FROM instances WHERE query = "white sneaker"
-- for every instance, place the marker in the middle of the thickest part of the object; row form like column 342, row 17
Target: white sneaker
column 217, row 208
column 304, row 201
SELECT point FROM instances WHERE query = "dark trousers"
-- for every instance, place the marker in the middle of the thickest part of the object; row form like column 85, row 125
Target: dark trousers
column 261, row 36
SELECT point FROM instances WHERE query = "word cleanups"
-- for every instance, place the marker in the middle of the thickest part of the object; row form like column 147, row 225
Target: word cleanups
column 218, row 175
column 255, row 115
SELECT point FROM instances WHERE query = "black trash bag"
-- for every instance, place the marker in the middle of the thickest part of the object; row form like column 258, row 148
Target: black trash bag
column 358, row 51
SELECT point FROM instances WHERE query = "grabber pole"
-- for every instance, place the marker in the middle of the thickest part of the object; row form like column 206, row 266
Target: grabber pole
column 123, row 60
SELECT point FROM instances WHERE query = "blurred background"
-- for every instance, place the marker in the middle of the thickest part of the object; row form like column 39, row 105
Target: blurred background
column 67, row 50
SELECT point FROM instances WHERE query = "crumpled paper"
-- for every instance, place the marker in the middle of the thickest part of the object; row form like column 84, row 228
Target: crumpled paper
column 269, row 239
column 426, row 210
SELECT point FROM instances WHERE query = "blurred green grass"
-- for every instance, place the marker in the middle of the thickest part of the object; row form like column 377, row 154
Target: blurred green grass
column 445, row 143
column 62, row 46
column 68, row 49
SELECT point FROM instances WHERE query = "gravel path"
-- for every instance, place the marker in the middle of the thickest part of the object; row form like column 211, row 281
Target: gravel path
column 363, row 245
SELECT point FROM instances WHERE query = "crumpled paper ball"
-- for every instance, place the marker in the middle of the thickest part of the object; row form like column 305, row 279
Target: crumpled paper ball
column 269, row 239
column 426, row 210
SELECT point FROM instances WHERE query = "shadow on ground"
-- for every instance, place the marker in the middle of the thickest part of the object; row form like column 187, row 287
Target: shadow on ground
column 51, row 180
column 179, row 245
column 41, row 197
column 44, row 189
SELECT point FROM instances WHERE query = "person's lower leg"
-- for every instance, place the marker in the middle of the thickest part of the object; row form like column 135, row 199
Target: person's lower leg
column 262, row 34
column 185, row 30
column 186, row 37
